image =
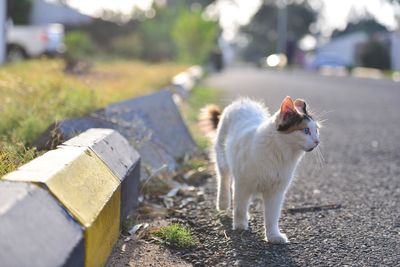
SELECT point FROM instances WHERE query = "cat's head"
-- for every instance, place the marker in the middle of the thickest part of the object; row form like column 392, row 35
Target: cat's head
column 298, row 127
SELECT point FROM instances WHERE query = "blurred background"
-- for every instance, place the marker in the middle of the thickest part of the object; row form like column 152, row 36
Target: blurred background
column 66, row 58
column 309, row 34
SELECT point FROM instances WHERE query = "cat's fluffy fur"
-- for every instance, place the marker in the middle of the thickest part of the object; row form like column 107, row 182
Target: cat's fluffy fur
column 257, row 153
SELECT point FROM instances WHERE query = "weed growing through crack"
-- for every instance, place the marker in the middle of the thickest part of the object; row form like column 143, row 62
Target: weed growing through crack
column 176, row 235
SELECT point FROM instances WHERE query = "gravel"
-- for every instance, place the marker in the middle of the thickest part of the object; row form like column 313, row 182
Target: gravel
column 344, row 212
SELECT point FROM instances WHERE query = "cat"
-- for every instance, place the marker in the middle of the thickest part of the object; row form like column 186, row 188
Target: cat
column 257, row 153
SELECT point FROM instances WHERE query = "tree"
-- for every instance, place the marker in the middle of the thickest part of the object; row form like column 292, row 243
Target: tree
column 375, row 54
column 194, row 37
column 156, row 34
column 262, row 33
column 19, row 10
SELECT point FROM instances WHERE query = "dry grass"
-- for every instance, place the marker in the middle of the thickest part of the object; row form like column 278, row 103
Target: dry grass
column 36, row 93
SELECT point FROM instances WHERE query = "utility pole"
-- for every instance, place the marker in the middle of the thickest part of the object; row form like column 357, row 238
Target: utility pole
column 3, row 31
column 282, row 26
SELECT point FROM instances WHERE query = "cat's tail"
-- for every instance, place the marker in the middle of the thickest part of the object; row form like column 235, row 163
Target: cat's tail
column 214, row 126
column 209, row 118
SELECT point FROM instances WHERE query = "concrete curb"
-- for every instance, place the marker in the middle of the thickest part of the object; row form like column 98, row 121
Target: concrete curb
column 66, row 207
column 152, row 124
column 35, row 230
column 119, row 156
column 86, row 175
column 184, row 82
column 188, row 79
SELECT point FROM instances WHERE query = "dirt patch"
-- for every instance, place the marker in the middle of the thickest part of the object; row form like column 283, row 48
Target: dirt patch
column 308, row 225
column 141, row 253
column 218, row 244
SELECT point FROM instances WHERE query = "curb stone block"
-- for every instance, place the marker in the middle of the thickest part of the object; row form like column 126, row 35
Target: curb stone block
column 152, row 124
column 66, row 129
column 85, row 186
column 185, row 80
column 35, row 230
column 119, row 156
column 159, row 112
column 180, row 91
column 196, row 72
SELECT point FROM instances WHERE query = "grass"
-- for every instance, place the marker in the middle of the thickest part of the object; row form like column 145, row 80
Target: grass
column 176, row 235
column 14, row 155
column 34, row 94
column 200, row 97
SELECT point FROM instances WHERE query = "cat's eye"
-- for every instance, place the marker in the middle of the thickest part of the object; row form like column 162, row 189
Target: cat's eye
column 306, row 130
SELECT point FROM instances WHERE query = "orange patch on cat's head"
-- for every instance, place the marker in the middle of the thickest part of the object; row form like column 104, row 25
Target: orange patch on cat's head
column 292, row 115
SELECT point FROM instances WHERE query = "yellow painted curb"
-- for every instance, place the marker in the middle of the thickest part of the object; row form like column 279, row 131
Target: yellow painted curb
column 87, row 188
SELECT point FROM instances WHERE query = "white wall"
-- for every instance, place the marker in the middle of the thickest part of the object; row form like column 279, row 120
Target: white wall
column 342, row 48
column 395, row 50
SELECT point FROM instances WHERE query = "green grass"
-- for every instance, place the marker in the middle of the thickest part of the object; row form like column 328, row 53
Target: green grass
column 36, row 93
column 193, row 164
column 176, row 235
column 200, row 97
column 13, row 155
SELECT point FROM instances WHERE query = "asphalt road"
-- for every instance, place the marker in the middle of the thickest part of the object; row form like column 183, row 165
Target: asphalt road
column 360, row 176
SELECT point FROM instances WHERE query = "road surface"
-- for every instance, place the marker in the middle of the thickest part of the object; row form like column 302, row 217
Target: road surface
column 359, row 183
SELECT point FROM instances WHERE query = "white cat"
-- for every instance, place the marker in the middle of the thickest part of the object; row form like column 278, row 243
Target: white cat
column 257, row 153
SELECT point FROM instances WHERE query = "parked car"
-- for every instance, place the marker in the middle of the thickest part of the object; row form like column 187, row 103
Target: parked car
column 34, row 41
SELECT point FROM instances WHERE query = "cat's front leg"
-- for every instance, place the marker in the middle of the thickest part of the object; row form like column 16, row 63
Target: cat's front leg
column 241, row 198
column 272, row 210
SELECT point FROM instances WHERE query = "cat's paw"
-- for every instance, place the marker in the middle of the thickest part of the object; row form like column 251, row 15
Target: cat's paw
column 277, row 239
column 222, row 206
column 240, row 226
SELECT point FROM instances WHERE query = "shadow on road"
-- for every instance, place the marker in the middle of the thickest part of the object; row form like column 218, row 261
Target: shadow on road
column 251, row 249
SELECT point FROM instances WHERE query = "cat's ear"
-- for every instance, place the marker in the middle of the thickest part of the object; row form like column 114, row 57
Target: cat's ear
column 300, row 106
column 287, row 107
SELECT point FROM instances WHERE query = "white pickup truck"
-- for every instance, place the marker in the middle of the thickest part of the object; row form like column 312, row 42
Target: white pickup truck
column 34, row 41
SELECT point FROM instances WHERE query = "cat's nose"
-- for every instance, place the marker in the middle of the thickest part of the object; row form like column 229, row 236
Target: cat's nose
column 316, row 142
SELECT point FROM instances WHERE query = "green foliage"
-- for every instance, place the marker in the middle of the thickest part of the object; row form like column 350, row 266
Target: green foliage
column 262, row 28
column 19, row 10
column 79, row 45
column 14, row 155
column 130, row 45
column 156, row 35
column 194, row 37
column 375, row 55
column 173, row 33
column 176, row 235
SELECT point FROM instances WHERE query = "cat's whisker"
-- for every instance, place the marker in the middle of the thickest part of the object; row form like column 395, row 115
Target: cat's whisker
column 323, row 113
column 320, row 156
column 322, row 121
column 317, row 157
column 320, row 117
